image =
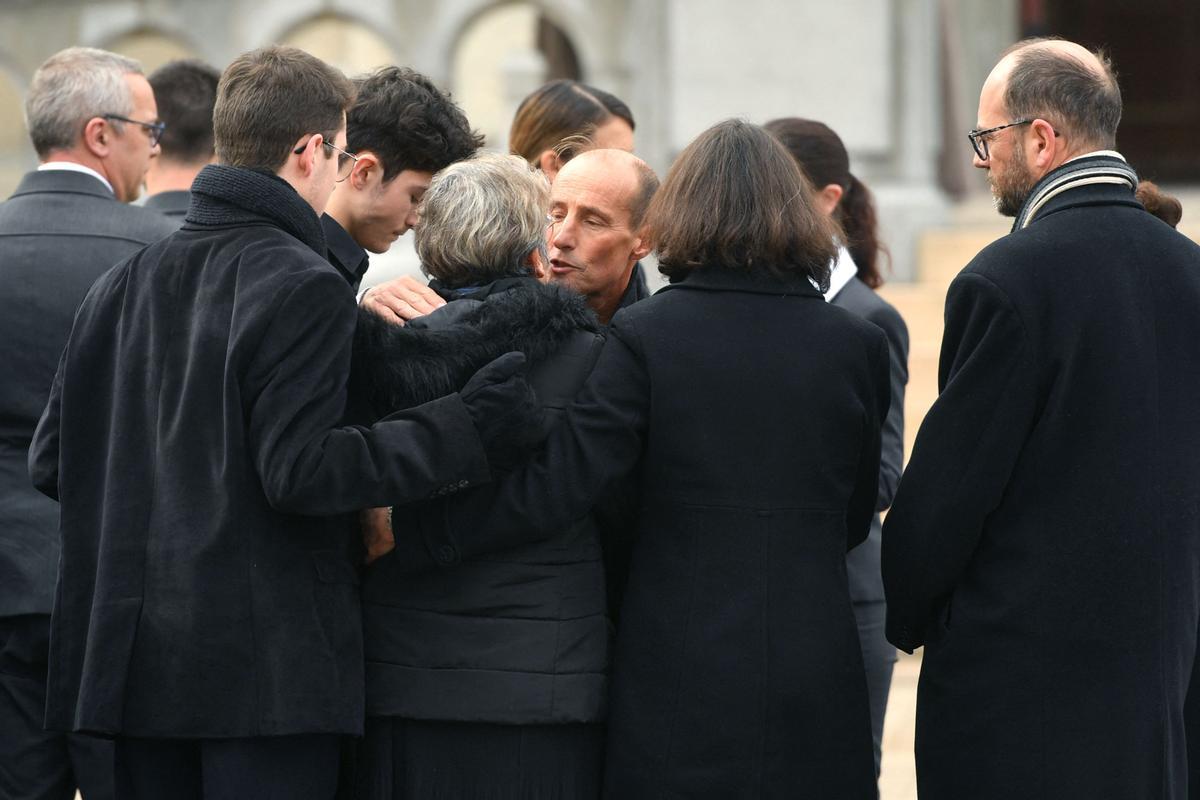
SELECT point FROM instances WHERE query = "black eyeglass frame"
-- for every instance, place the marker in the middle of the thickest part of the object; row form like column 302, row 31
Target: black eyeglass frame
column 350, row 157
column 154, row 130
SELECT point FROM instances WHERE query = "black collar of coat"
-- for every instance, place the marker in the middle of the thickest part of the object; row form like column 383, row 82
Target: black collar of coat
column 1092, row 180
column 224, row 195
column 719, row 279
column 348, row 256
column 398, row 367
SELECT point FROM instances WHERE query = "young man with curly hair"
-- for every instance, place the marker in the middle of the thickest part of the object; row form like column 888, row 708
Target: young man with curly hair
column 401, row 129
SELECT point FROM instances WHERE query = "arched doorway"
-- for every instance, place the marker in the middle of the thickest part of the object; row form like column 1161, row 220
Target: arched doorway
column 501, row 56
column 151, row 47
column 1156, row 49
column 345, row 43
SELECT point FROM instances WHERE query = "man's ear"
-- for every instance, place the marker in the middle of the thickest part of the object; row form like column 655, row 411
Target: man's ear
column 309, row 147
column 366, row 169
column 642, row 245
column 97, row 137
column 550, row 163
column 1045, row 145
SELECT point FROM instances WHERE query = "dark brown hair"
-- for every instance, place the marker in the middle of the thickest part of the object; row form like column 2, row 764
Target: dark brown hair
column 1061, row 89
column 269, row 98
column 1162, row 205
column 823, row 158
column 736, row 200
column 562, row 115
column 185, row 90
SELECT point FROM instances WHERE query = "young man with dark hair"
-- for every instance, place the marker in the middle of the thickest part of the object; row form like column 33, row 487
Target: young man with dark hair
column 401, row 129
column 186, row 90
column 207, row 612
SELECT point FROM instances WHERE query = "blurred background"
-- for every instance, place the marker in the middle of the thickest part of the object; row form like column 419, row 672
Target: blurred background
column 898, row 79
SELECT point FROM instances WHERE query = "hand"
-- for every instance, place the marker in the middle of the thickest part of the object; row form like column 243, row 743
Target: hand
column 402, row 299
column 376, row 524
column 505, row 410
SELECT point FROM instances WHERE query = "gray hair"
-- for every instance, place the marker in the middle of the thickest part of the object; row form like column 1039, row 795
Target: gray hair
column 481, row 218
column 1063, row 90
column 72, row 87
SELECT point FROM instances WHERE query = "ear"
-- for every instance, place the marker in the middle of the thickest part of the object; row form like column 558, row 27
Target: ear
column 642, row 245
column 828, row 198
column 97, row 137
column 309, row 147
column 550, row 164
column 367, row 169
column 537, row 267
column 1044, row 145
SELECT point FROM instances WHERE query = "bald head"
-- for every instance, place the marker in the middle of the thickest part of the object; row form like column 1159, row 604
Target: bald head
column 1064, row 83
column 640, row 182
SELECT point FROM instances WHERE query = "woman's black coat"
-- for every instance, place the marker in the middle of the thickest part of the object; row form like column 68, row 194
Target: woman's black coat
column 755, row 408
column 522, row 636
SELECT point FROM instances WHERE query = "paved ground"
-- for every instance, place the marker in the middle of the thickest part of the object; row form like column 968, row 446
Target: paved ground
column 899, row 779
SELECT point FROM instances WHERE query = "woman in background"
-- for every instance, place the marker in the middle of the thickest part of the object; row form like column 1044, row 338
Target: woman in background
column 562, row 118
column 856, row 274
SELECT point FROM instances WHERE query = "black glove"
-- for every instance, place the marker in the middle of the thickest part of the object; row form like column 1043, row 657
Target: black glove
column 506, row 412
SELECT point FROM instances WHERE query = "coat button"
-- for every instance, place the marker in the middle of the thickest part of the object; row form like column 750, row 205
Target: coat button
column 447, row 554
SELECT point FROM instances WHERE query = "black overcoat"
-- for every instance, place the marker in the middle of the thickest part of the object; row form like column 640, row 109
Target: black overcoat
column 59, row 231
column 206, row 586
column 755, row 408
column 1044, row 544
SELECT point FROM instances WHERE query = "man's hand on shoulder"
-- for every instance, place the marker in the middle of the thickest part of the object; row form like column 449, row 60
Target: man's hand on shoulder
column 401, row 299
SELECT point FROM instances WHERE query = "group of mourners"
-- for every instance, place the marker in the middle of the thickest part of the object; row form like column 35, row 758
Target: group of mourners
column 530, row 532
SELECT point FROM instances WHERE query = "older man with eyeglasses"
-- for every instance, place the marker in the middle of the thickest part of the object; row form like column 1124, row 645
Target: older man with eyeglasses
column 1044, row 543
column 94, row 124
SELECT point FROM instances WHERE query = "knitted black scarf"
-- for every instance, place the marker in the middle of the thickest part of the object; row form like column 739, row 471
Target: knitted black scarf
column 1086, row 171
column 224, row 195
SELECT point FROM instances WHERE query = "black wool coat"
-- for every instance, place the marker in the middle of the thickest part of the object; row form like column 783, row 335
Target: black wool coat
column 59, row 232
column 759, row 450
column 207, row 586
column 521, row 636
column 1044, row 544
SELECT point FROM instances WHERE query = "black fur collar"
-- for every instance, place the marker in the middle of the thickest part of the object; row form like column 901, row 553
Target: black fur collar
column 398, row 367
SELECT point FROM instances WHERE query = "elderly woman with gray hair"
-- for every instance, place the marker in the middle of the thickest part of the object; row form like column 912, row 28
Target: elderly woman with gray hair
column 487, row 679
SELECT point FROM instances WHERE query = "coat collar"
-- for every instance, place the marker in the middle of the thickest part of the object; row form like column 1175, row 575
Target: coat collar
column 1093, row 179
column 717, row 279
column 62, row 180
column 225, row 195
column 173, row 203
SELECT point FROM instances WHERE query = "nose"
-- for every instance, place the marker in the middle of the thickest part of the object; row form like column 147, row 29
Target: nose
column 561, row 234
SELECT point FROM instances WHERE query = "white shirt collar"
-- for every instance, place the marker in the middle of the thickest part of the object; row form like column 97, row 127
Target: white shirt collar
column 71, row 166
column 844, row 270
column 1094, row 153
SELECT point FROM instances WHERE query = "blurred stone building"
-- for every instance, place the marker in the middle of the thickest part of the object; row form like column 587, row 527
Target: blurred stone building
column 898, row 79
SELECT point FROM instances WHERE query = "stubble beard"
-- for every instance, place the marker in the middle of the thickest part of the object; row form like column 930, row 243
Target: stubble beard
column 1011, row 189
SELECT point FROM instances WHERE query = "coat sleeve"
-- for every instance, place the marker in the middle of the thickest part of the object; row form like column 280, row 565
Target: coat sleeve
column 598, row 442
column 861, row 509
column 964, row 454
column 298, row 388
column 43, row 451
column 891, row 462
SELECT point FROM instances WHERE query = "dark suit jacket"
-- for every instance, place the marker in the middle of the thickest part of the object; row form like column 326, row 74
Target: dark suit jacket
column 862, row 563
column 759, row 447
column 1044, row 544
column 58, row 232
column 173, row 205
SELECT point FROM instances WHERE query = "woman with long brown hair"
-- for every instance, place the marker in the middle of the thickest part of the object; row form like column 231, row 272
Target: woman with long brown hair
column 756, row 446
column 856, row 274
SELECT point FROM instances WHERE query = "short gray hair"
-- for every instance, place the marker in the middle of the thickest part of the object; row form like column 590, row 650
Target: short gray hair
column 70, row 88
column 481, row 218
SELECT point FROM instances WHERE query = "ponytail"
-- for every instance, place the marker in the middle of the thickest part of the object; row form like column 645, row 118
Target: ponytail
column 856, row 213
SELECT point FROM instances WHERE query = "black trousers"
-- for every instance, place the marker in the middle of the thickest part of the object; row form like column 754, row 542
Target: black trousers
column 879, row 659
column 263, row 768
column 36, row 764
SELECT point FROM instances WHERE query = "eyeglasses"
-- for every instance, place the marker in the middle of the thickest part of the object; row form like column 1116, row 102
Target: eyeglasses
column 346, row 161
column 979, row 141
column 154, row 130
